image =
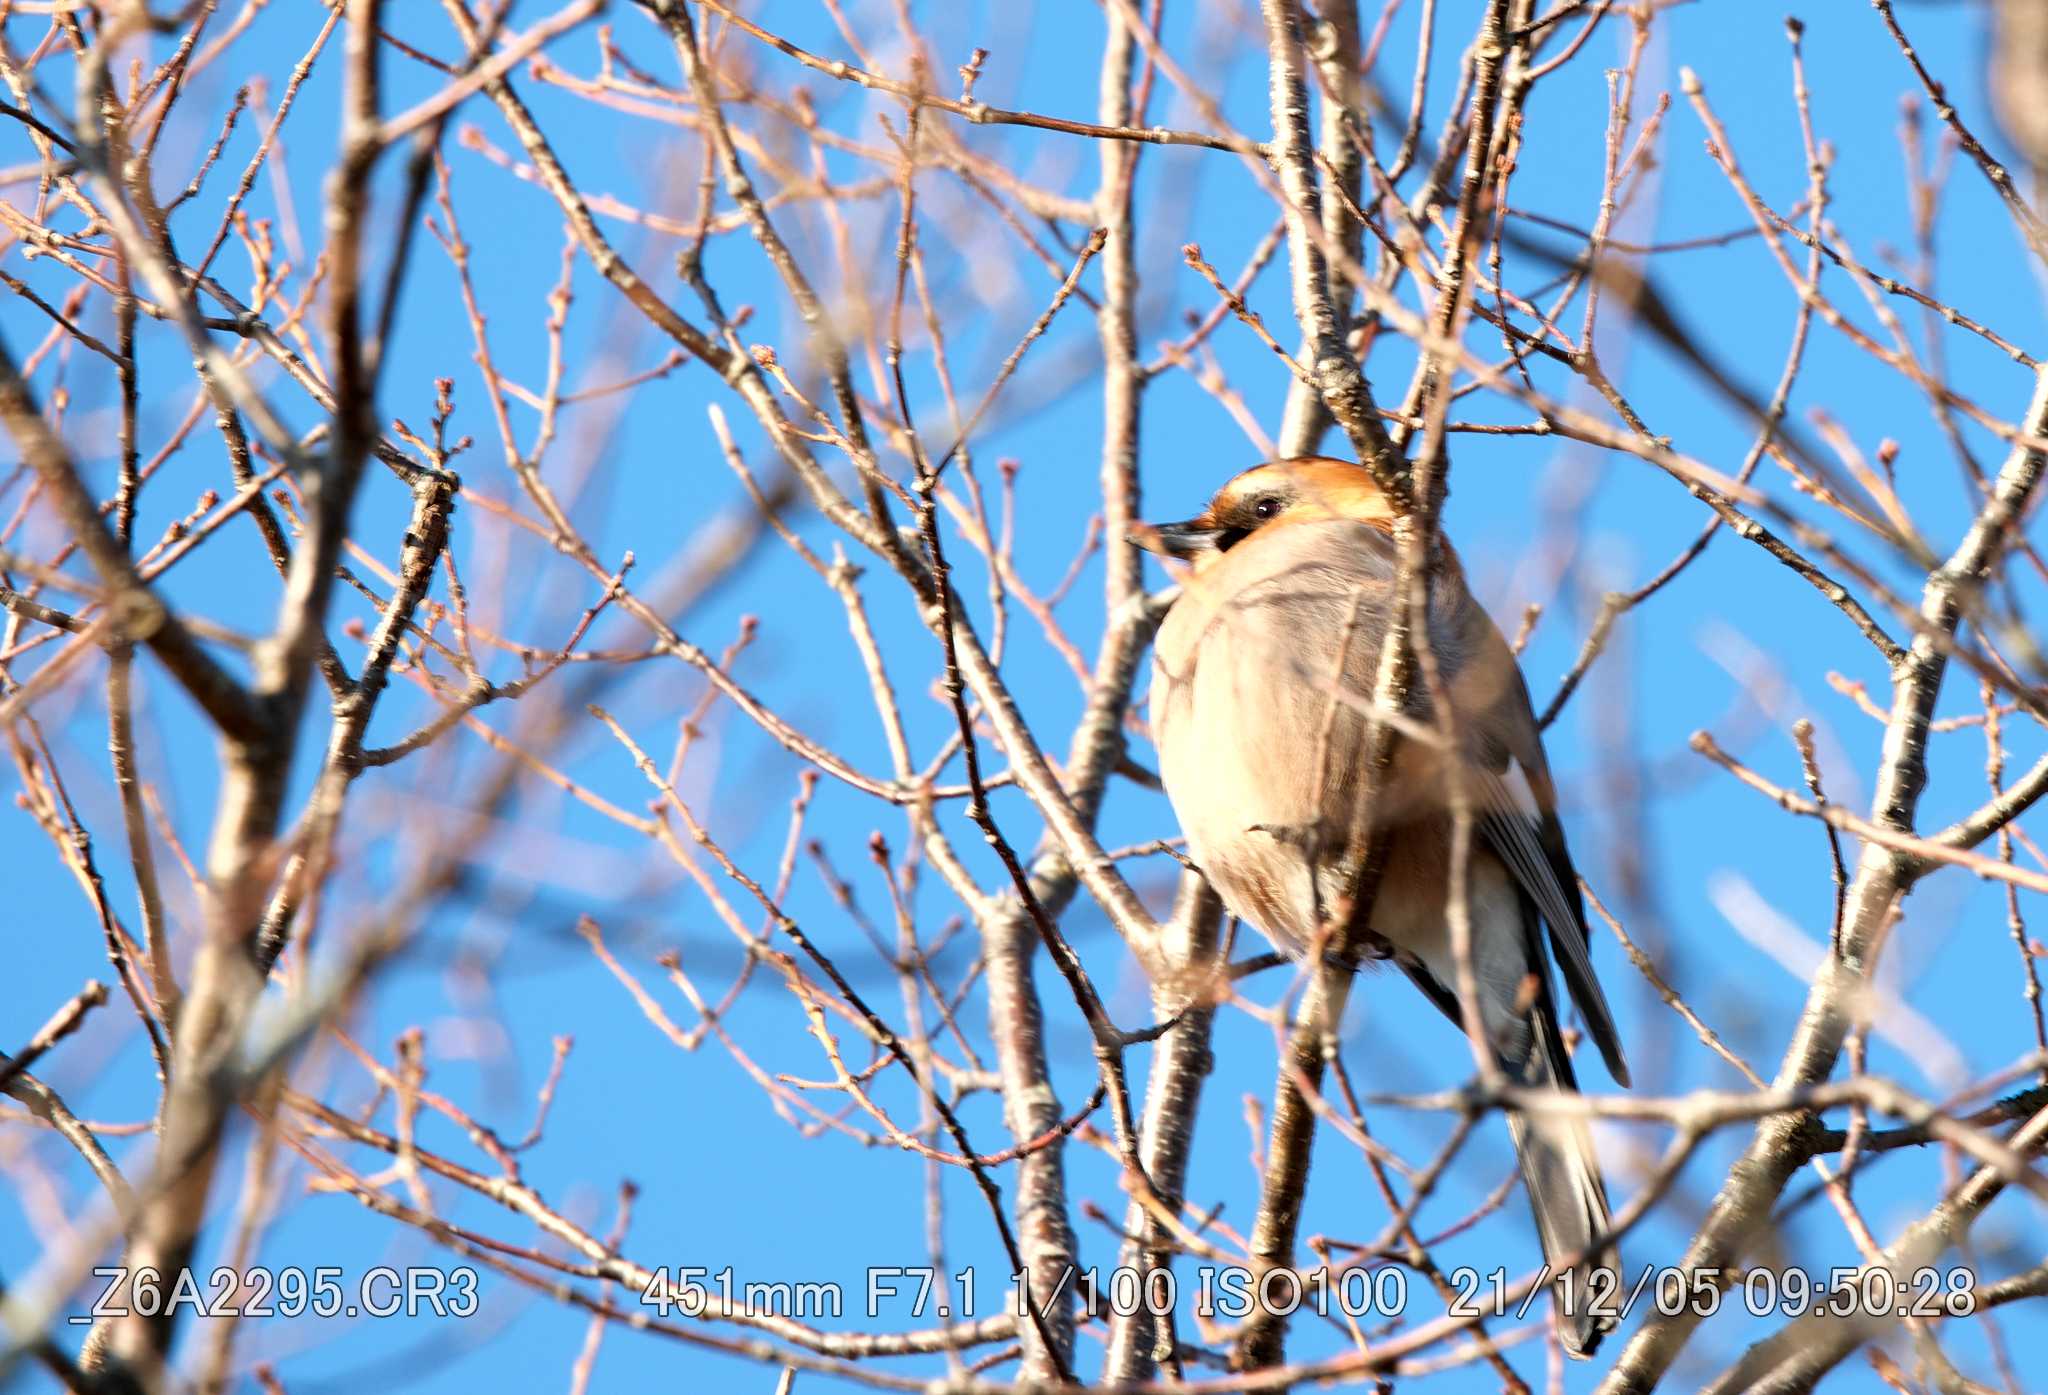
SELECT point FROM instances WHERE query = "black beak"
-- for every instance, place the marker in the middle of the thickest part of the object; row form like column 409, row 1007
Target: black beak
column 1183, row 540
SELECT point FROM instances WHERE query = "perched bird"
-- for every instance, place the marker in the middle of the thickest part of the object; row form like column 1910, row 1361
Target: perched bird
column 1263, row 674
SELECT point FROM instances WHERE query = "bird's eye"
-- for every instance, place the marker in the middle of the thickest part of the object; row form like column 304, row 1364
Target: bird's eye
column 1266, row 508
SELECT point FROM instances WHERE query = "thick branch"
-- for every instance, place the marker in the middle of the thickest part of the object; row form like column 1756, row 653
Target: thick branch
column 1344, row 389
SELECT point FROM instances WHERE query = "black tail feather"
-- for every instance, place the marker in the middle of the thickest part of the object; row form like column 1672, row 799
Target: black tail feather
column 1566, row 1195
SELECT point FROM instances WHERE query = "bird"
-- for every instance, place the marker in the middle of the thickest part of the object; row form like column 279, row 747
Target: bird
column 1263, row 682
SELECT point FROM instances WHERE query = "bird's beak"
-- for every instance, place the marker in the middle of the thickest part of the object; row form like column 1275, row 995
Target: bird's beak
column 1184, row 540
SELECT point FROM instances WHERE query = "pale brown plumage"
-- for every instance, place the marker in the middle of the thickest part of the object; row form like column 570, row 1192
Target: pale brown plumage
column 1261, row 743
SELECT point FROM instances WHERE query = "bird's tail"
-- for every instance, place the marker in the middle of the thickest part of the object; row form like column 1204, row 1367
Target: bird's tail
column 1562, row 1177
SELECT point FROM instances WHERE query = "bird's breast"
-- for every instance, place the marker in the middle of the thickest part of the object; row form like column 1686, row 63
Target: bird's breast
column 1258, row 760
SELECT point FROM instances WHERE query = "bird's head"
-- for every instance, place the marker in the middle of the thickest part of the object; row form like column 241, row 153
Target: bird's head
column 1277, row 494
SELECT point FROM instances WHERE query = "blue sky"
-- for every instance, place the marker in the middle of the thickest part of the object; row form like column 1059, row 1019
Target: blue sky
column 1691, row 861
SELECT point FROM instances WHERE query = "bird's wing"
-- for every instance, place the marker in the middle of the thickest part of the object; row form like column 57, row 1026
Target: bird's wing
column 1514, row 835
column 1518, row 817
